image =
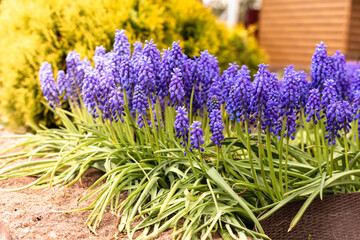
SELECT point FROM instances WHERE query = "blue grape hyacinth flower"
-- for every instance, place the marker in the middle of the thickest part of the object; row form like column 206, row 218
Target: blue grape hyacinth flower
column 121, row 44
column 238, row 101
column 216, row 127
column 356, row 80
column 139, row 101
column 153, row 54
column 338, row 73
column 272, row 112
column 100, row 51
column 116, row 102
column 196, row 136
column 213, row 104
column 182, row 125
column 147, row 75
column 207, row 71
column 338, row 117
column 304, row 85
column 290, row 94
column 228, row 78
column 290, row 125
column 329, row 94
column 176, row 88
column 48, row 85
column 262, row 86
column 176, row 57
column 71, row 85
column 319, row 66
column 313, row 106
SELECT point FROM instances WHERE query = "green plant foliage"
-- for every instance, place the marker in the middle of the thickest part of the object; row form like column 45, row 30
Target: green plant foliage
column 211, row 176
column 40, row 30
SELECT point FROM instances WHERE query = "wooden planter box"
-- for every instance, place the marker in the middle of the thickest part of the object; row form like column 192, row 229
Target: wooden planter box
column 334, row 217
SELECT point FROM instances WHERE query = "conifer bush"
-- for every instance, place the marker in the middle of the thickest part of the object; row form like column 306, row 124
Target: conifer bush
column 38, row 30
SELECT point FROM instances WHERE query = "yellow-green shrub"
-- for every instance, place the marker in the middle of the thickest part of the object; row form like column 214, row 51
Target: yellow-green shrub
column 38, row 30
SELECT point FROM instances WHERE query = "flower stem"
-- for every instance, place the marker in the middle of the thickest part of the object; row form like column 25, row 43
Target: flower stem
column 306, row 125
column 261, row 160
column 357, row 134
column 202, row 161
column 326, row 146
column 153, row 123
column 280, row 151
column 318, row 155
column 192, row 166
column 218, row 157
column 249, row 151
column 346, row 151
column 271, row 164
column 302, row 129
column 331, row 159
column 286, row 163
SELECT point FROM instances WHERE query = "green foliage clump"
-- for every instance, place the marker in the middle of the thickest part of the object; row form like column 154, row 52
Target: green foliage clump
column 40, row 30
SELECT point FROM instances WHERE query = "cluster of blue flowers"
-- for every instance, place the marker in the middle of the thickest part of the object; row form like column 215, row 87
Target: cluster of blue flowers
column 140, row 76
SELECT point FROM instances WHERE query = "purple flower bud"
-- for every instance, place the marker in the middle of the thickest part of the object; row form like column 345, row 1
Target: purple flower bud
column 116, row 103
column 319, row 66
column 329, row 94
column 337, row 65
column 216, row 127
column 313, row 105
column 351, row 68
column 338, row 117
column 290, row 126
column 304, row 85
column 164, row 75
column 91, row 91
column 228, row 79
column 356, row 80
column 171, row 59
column 60, row 80
column 207, row 71
column 213, row 104
column 100, row 51
column 238, row 101
column 182, row 125
column 290, row 95
column 191, row 85
column 72, row 84
column 139, row 101
column 272, row 112
column 127, row 74
column 141, row 120
column 356, row 109
column 263, row 84
column 215, row 90
column 135, row 58
column 153, row 54
column 48, row 85
column 176, row 88
column 176, row 57
column 121, row 44
column 137, row 49
column 147, row 75
column 197, row 136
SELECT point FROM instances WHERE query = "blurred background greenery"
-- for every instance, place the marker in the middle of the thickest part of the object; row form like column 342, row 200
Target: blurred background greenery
column 46, row 30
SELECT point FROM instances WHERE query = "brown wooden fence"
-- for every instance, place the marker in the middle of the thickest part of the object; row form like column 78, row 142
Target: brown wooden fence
column 290, row 29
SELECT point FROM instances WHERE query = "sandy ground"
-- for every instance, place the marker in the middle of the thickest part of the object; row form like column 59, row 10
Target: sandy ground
column 39, row 214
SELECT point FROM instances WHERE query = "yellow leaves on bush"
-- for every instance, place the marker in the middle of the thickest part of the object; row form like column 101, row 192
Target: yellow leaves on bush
column 41, row 30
